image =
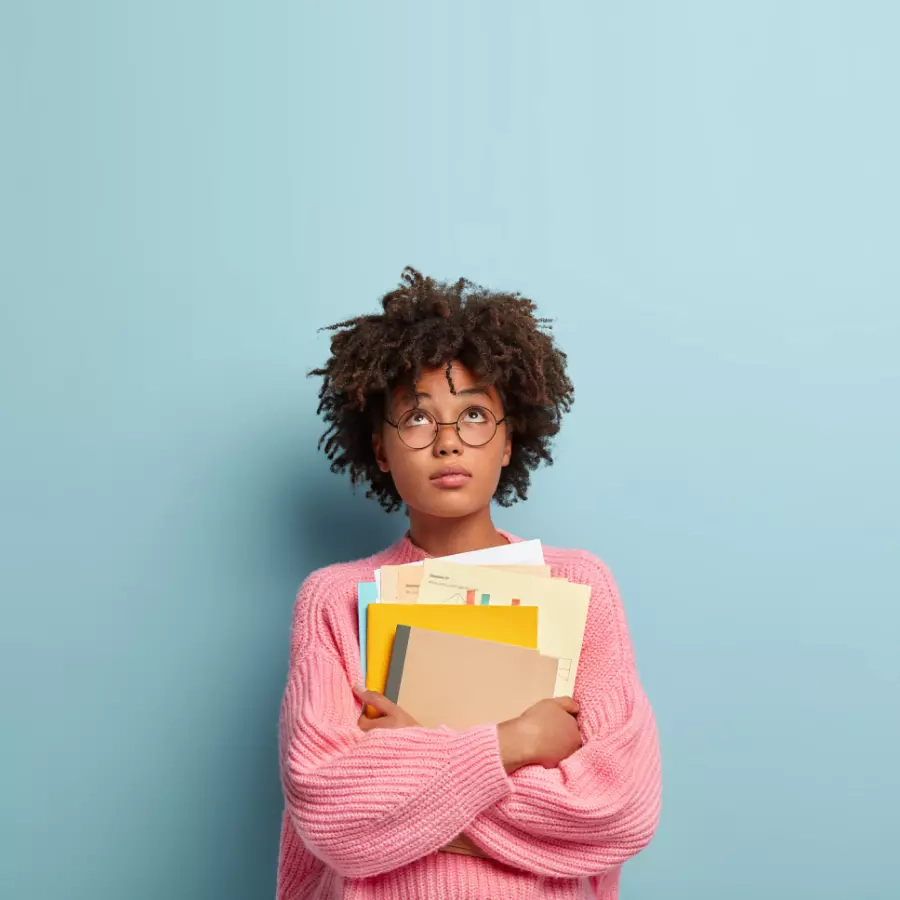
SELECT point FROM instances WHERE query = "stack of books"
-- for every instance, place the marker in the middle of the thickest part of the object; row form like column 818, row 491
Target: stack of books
column 471, row 639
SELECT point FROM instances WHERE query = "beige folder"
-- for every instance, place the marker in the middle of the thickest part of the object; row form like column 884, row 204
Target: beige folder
column 563, row 607
column 461, row 682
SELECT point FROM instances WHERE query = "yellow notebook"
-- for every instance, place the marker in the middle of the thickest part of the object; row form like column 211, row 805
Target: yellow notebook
column 506, row 624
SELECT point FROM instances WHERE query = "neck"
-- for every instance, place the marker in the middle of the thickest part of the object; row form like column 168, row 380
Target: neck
column 444, row 537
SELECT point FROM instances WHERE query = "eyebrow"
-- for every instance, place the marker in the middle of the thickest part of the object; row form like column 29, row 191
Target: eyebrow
column 464, row 393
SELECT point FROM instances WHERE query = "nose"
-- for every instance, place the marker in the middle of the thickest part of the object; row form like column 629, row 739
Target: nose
column 447, row 442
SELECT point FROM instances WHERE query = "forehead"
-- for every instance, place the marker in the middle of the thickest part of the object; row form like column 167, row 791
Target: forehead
column 433, row 382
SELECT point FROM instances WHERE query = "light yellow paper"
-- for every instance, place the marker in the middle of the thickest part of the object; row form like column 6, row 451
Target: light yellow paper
column 563, row 607
column 408, row 580
column 536, row 571
column 388, row 592
column 400, row 584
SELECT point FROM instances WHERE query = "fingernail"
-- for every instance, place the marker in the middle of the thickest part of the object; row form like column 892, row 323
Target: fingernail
column 359, row 687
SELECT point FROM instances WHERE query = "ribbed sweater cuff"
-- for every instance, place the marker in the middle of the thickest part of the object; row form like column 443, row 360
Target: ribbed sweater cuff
column 477, row 774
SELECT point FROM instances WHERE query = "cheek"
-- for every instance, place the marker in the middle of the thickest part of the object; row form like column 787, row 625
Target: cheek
column 501, row 450
column 487, row 463
column 406, row 468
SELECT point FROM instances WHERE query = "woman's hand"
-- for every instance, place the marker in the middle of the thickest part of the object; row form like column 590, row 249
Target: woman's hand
column 545, row 734
column 392, row 716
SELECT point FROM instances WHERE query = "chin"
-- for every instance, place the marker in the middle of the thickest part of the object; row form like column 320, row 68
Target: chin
column 451, row 506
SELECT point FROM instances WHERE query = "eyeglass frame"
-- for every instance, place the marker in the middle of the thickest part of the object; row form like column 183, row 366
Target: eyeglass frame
column 438, row 425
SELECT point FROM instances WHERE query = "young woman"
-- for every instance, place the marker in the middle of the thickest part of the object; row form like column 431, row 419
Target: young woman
column 444, row 402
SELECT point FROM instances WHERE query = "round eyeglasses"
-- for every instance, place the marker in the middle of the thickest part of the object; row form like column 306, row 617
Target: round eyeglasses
column 418, row 429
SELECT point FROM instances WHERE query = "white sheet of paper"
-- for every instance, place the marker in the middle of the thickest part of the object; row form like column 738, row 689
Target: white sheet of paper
column 522, row 553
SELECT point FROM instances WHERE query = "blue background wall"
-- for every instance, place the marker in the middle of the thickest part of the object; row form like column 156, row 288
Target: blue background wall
column 704, row 195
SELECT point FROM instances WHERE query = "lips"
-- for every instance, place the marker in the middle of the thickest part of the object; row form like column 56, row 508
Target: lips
column 451, row 477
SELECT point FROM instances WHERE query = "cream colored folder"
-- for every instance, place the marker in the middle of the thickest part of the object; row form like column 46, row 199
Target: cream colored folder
column 400, row 584
column 563, row 606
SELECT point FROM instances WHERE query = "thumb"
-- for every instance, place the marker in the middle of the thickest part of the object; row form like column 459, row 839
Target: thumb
column 377, row 701
column 569, row 705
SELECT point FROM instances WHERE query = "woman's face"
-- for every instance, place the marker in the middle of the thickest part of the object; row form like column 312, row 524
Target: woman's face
column 418, row 473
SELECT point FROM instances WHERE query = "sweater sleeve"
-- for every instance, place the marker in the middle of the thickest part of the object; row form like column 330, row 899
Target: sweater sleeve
column 600, row 806
column 367, row 803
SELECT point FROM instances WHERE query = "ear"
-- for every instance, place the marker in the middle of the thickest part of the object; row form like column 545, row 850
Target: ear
column 507, row 450
column 380, row 456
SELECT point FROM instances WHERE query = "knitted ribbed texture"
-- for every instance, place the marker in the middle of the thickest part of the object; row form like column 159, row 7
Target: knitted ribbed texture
column 366, row 812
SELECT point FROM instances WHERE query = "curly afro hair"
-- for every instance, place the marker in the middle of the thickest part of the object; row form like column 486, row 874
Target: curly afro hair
column 429, row 324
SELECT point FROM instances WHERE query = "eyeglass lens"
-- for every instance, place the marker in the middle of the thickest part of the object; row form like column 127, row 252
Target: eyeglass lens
column 475, row 426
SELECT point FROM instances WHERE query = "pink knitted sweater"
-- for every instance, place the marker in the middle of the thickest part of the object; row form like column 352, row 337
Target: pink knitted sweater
column 366, row 812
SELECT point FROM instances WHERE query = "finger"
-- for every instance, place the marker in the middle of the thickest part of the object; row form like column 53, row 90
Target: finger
column 569, row 705
column 377, row 701
column 380, row 722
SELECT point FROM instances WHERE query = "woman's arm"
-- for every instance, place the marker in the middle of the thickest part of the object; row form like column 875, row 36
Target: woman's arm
column 601, row 805
column 370, row 802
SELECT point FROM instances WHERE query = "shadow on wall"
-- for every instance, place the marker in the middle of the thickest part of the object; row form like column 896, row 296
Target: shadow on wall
column 309, row 518
column 328, row 522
